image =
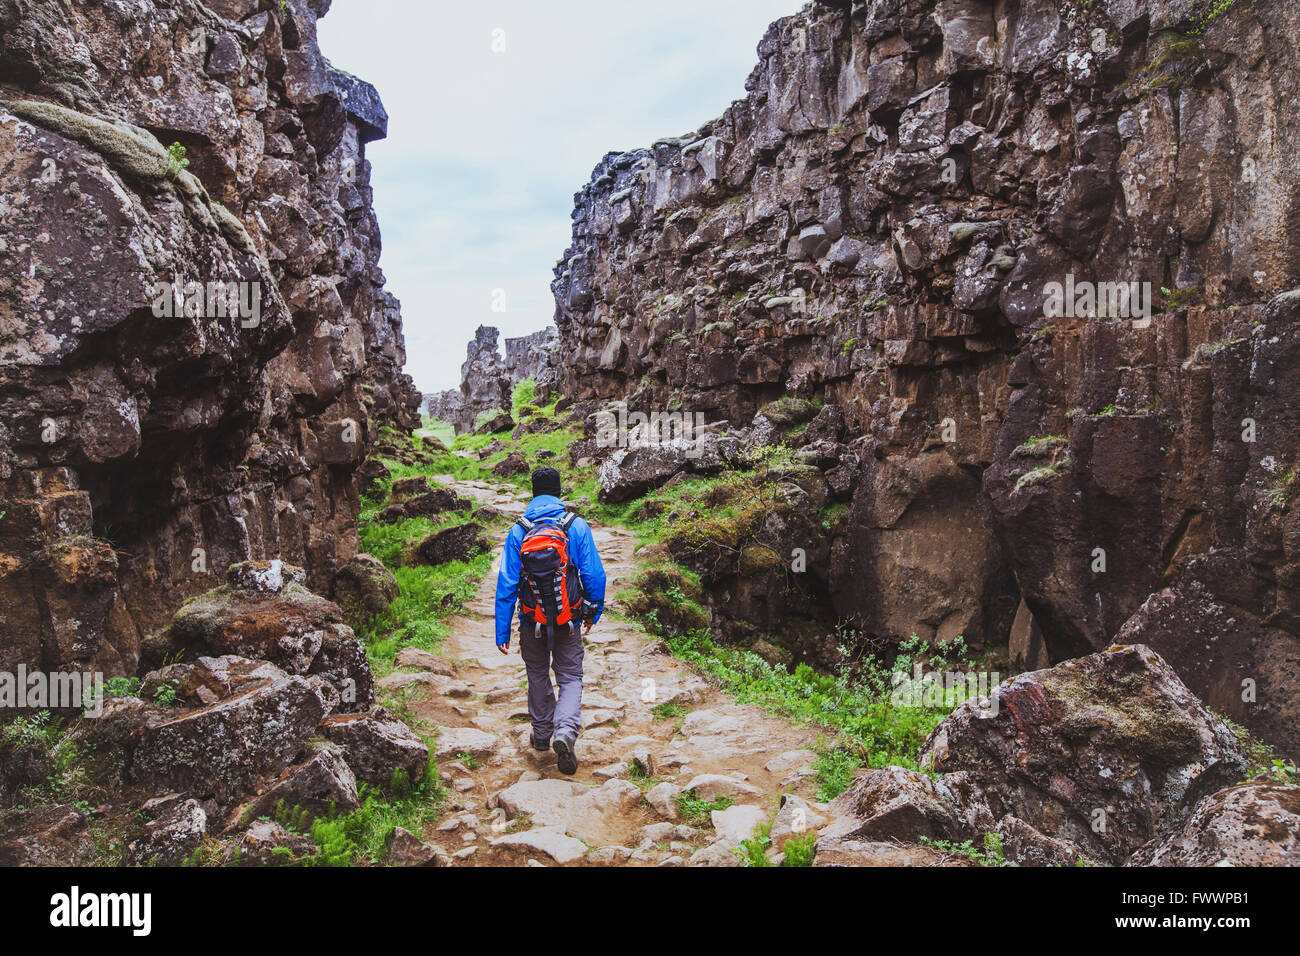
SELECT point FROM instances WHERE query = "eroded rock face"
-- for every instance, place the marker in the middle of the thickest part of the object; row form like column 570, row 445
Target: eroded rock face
column 149, row 439
column 878, row 224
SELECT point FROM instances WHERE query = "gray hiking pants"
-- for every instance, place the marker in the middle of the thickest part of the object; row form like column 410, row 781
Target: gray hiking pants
column 551, row 717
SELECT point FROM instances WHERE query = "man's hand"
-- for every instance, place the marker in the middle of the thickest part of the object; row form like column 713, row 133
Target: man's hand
column 504, row 648
column 587, row 626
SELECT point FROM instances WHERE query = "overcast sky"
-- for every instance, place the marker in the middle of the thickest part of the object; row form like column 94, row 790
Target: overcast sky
column 474, row 184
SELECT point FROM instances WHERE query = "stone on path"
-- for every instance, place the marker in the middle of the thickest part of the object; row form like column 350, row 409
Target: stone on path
column 549, row 840
column 662, row 797
column 795, row 818
column 737, row 823
column 718, row 853
column 458, row 740
column 591, row 813
column 712, row 786
column 793, row 764
column 417, row 659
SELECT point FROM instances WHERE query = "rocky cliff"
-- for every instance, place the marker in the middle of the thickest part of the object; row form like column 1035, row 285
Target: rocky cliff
column 197, row 346
column 487, row 379
column 1036, row 257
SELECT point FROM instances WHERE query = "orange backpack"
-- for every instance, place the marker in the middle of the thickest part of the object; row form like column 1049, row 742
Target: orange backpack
column 550, row 589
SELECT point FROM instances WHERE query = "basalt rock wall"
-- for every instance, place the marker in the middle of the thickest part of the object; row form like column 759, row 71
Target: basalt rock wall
column 879, row 224
column 150, row 439
column 487, row 380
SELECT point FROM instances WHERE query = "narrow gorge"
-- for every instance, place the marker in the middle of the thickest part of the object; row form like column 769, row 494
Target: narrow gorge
column 978, row 326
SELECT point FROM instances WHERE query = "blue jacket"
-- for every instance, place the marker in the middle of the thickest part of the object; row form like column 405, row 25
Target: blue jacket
column 582, row 551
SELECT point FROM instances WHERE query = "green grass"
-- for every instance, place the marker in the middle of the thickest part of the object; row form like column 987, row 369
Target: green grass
column 1280, row 487
column 990, row 854
column 1039, row 443
column 878, row 731
column 695, row 811
column 1042, row 473
column 834, row 770
column 361, row 836
column 48, row 760
column 437, row 428
column 668, row 710
column 416, row 617
column 176, row 161
column 523, row 394
column 1262, row 762
column 754, row 850
column 799, row 850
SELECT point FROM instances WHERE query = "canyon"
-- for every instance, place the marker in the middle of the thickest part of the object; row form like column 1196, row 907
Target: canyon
column 863, row 280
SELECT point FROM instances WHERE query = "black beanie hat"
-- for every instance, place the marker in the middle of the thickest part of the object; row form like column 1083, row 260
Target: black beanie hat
column 546, row 481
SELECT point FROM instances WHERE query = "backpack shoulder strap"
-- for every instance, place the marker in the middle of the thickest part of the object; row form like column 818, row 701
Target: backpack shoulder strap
column 525, row 524
column 568, row 519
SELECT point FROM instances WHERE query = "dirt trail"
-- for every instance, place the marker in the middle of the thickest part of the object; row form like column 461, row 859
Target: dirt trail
column 510, row 805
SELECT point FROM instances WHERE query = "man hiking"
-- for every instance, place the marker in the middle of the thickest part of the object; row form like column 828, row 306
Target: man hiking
column 551, row 567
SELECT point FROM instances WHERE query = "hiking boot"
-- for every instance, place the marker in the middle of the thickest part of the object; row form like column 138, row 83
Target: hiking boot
column 540, row 744
column 565, row 758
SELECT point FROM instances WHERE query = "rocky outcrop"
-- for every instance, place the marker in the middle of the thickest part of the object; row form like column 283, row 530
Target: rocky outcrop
column 264, row 613
column 198, row 349
column 262, row 711
column 1108, row 758
column 930, row 214
column 487, row 379
column 1255, row 824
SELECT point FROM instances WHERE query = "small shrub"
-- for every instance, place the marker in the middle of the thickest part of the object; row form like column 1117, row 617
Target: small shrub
column 176, row 161
column 800, row 850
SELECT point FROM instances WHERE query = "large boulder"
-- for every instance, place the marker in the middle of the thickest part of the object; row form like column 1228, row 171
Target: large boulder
column 513, row 464
column 1254, row 824
column 493, row 420
column 322, row 783
column 902, row 805
column 458, row 543
column 630, row 473
column 265, row 613
column 363, row 587
column 229, row 749
column 1211, row 627
column 376, row 745
column 1102, row 751
column 434, row 502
